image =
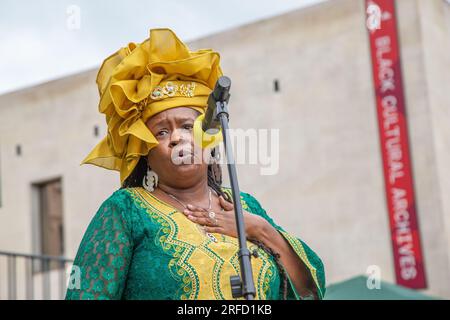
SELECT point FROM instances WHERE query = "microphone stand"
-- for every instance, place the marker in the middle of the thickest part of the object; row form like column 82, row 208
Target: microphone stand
column 244, row 285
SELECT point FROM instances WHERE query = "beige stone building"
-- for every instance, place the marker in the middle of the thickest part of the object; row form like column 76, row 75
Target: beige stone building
column 329, row 189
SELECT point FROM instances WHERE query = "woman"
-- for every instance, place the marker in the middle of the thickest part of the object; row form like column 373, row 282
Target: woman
column 169, row 232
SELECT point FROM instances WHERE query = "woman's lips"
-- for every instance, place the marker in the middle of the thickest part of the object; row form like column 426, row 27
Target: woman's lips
column 182, row 155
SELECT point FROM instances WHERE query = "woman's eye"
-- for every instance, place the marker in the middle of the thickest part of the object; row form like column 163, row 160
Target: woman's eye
column 161, row 133
column 188, row 126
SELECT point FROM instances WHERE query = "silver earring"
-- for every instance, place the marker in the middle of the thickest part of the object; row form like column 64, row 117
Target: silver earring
column 215, row 155
column 150, row 181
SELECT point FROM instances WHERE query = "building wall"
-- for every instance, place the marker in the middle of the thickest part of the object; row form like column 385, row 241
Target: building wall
column 435, row 30
column 423, row 87
column 329, row 189
column 54, row 124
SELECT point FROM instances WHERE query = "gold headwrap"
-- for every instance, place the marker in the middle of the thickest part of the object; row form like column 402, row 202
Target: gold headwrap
column 141, row 80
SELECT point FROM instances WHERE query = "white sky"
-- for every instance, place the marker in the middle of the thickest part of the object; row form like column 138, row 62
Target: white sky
column 38, row 45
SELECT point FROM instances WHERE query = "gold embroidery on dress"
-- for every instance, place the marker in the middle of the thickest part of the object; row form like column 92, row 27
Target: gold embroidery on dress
column 298, row 248
column 208, row 280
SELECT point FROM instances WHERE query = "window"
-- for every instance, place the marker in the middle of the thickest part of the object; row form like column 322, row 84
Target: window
column 50, row 218
column 276, row 85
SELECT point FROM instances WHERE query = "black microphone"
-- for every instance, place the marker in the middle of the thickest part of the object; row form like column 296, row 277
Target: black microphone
column 221, row 93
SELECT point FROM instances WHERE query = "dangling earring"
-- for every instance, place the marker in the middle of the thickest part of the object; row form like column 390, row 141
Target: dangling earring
column 215, row 167
column 215, row 155
column 150, row 181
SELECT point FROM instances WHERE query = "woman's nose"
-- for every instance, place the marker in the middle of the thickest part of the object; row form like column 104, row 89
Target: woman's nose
column 177, row 136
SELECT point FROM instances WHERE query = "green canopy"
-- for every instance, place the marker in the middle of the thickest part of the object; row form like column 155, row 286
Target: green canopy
column 356, row 289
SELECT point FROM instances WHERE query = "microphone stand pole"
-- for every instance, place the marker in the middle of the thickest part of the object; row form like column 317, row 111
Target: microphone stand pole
column 244, row 285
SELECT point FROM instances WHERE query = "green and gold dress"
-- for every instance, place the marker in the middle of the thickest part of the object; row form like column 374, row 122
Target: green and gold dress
column 138, row 247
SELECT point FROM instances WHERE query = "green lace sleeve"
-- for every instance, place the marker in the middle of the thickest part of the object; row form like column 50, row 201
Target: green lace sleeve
column 304, row 252
column 101, row 264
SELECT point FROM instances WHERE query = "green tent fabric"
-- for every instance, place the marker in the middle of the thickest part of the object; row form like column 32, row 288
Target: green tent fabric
column 356, row 289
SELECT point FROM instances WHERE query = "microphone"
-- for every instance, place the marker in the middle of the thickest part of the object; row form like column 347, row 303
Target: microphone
column 207, row 127
column 221, row 93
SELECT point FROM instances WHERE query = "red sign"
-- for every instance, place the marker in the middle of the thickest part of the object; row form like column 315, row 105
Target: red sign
column 408, row 258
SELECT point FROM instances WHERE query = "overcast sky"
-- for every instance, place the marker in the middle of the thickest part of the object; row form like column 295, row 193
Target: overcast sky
column 43, row 40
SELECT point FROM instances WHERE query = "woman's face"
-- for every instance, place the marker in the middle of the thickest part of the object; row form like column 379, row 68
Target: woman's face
column 175, row 160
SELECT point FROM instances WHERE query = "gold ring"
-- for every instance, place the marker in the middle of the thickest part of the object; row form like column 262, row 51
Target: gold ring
column 212, row 216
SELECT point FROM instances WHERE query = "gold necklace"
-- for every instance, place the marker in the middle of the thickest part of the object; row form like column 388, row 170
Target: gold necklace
column 209, row 235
